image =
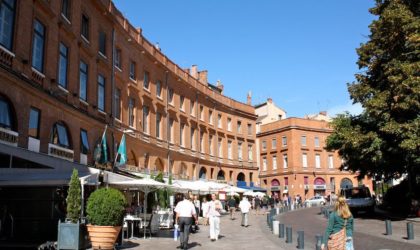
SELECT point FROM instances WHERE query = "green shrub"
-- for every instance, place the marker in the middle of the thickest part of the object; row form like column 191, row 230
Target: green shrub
column 105, row 207
column 74, row 198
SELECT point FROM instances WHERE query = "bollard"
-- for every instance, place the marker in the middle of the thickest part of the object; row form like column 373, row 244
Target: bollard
column 281, row 230
column 289, row 237
column 318, row 241
column 410, row 231
column 301, row 240
column 388, row 227
column 275, row 227
column 268, row 221
column 277, row 210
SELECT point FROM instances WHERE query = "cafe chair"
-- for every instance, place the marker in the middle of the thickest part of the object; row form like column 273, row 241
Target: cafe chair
column 143, row 228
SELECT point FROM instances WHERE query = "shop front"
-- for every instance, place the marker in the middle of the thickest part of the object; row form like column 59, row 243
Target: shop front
column 320, row 186
column 275, row 188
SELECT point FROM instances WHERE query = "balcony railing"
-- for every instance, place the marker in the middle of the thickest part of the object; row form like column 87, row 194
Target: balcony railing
column 9, row 137
column 60, row 152
column 6, row 57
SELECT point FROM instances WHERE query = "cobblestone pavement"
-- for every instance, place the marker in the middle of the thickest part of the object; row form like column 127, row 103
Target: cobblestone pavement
column 369, row 234
column 232, row 236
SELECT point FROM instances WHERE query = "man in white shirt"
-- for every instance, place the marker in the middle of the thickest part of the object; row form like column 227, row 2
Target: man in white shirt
column 185, row 212
column 244, row 205
column 213, row 213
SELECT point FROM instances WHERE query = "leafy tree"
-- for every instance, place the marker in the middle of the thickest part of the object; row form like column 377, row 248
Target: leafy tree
column 74, row 198
column 384, row 139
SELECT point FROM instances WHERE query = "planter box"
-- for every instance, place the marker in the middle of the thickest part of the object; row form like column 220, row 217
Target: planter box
column 72, row 236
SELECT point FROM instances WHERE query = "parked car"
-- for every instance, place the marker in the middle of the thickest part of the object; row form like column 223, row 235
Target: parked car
column 316, row 201
column 359, row 199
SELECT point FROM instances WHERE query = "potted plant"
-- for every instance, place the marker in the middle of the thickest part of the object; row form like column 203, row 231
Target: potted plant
column 71, row 233
column 105, row 213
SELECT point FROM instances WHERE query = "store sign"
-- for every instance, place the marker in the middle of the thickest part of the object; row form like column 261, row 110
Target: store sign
column 275, row 188
column 318, row 187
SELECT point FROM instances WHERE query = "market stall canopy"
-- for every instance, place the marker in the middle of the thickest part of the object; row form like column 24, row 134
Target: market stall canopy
column 249, row 193
column 234, row 189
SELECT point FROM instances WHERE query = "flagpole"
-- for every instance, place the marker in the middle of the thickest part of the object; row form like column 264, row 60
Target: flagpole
column 113, row 166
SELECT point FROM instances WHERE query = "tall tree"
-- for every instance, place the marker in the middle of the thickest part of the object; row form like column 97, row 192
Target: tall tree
column 384, row 139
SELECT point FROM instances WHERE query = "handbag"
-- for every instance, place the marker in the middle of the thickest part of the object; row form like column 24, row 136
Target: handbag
column 337, row 241
column 349, row 244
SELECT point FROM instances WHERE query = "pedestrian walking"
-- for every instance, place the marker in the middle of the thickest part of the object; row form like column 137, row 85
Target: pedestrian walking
column 244, row 205
column 185, row 213
column 205, row 209
column 339, row 232
column 232, row 207
column 213, row 213
column 257, row 205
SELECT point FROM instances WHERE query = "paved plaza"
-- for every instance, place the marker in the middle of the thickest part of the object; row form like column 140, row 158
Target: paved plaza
column 369, row 234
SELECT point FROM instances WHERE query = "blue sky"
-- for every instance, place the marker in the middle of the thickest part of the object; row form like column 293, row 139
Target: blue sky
column 300, row 53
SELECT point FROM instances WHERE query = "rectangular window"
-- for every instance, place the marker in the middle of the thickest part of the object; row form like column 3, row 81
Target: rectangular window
column 131, row 106
column 284, row 141
column 304, row 160
column 158, row 88
column 229, row 124
column 181, row 134
column 264, row 168
column 84, row 142
column 146, row 119
column 171, row 130
column 240, row 151
column 317, row 161
column 192, row 108
column 330, row 161
column 303, row 140
column 316, row 141
column 118, row 104
column 249, row 129
column 132, row 70
column 62, row 65
column 85, row 27
column 171, row 96
column 274, row 162
column 230, row 149
column 65, row 9
column 181, row 102
column 118, row 58
column 101, row 93
column 211, row 144
column 273, row 143
column 83, row 80
column 264, row 145
column 286, row 181
column 34, row 123
column 250, row 158
column 192, row 141
column 201, row 113
column 102, row 43
column 239, row 127
column 285, row 161
column 210, row 116
column 305, row 180
column 219, row 121
column 146, row 80
column 7, row 20
column 201, row 141
column 38, row 46
column 220, row 148
column 158, row 121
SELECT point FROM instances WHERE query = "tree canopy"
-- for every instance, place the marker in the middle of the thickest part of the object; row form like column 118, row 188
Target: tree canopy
column 384, row 139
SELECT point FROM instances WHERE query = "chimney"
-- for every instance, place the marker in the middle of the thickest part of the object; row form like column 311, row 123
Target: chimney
column 248, row 98
column 220, row 86
column 194, row 72
column 324, row 113
column 269, row 100
column 202, row 76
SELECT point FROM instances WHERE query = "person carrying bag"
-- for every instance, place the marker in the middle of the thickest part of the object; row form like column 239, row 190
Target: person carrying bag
column 339, row 232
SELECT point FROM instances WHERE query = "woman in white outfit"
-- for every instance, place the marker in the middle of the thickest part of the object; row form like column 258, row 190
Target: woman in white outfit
column 215, row 206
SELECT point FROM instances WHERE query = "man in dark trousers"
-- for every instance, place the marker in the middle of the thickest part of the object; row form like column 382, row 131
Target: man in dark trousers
column 232, row 207
column 185, row 213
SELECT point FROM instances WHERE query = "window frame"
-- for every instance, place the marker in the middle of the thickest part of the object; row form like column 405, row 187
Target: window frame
column 101, row 86
column 132, row 74
column 146, row 80
column 38, row 122
column 84, row 149
column 117, row 100
column 102, row 43
column 63, row 56
column 85, row 27
column 37, row 37
column 145, row 120
column 84, row 72
column 66, row 9
column 10, row 37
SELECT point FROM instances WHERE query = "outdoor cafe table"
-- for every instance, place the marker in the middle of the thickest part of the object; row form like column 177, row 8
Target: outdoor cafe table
column 132, row 220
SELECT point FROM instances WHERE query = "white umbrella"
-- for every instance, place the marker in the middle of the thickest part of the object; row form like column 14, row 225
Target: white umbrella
column 260, row 194
column 144, row 185
column 233, row 194
column 249, row 193
column 234, row 189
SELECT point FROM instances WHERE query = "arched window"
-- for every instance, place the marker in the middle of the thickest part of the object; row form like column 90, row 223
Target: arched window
column 60, row 135
column 346, row 183
column 6, row 114
column 202, row 173
column 241, row 177
column 221, row 175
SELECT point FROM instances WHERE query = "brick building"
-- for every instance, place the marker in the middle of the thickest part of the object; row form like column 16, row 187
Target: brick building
column 69, row 68
column 294, row 161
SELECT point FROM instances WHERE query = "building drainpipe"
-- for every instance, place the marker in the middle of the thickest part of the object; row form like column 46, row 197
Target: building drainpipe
column 113, row 91
column 168, row 129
